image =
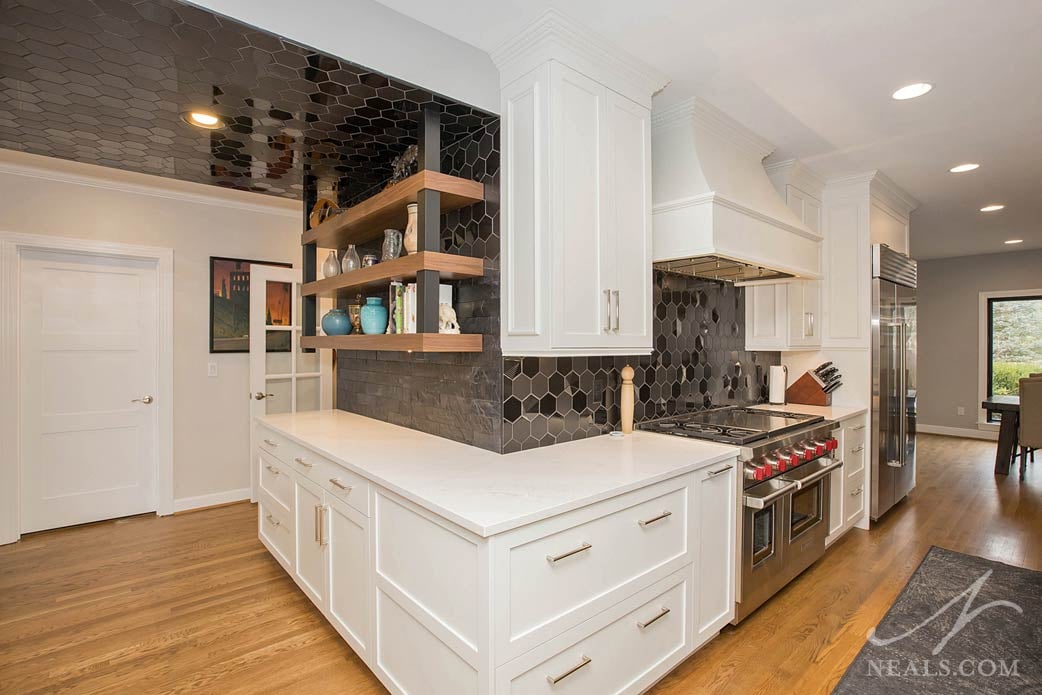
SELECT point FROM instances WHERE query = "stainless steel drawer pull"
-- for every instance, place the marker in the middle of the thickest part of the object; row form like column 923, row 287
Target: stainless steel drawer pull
column 857, row 492
column 607, row 320
column 859, row 428
column 302, row 462
column 649, row 522
column 271, row 468
column 272, row 520
column 615, row 327
column 713, row 474
column 661, row 614
column 556, row 558
column 858, row 450
column 554, row 680
column 269, row 442
column 337, row 483
column 318, row 524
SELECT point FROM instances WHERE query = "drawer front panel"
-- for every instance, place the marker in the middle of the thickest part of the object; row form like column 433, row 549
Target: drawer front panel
column 277, row 481
column 555, row 578
column 273, row 444
column 623, row 656
column 855, row 497
column 854, row 437
column 275, row 528
column 349, row 487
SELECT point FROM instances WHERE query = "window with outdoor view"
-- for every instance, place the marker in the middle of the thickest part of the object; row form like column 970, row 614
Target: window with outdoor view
column 1014, row 343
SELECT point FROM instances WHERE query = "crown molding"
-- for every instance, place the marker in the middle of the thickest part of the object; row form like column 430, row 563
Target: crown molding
column 556, row 36
column 796, row 173
column 713, row 198
column 876, row 185
column 78, row 173
column 701, row 113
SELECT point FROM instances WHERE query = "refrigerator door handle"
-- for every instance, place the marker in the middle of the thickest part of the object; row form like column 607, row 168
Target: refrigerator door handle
column 902, row 405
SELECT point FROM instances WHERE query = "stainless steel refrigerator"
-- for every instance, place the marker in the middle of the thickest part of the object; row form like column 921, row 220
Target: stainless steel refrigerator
column 893, row 378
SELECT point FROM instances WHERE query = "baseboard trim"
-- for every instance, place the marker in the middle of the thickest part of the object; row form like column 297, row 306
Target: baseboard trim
column 215, row 499
column 964, row 432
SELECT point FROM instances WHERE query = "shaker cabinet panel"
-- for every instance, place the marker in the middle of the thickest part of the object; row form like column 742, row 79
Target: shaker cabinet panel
column 349, row 573
column 715, row 511
column 783, row 315
column 310, row 540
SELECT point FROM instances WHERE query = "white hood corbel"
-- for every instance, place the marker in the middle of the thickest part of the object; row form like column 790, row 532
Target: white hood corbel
column 713, row 203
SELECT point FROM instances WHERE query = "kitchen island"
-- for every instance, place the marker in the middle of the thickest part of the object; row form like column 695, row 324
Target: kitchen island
column 592, row 566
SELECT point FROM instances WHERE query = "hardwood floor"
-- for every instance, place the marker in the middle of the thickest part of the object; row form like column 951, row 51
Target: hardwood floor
column 194, row 604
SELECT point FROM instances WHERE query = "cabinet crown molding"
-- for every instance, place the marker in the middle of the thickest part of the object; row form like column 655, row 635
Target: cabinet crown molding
column 556, row 36
column 877, row 185
column 699, row 112
column 795, row 173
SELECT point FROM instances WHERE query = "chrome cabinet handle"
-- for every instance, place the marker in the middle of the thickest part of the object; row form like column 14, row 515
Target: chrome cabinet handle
column 260, row 395
column 649, row 522
column 857, row 492
column 147, row 400
column 272, row 468
column 302, row 462
column 337, row 483
column 859, row 428
column 323, row 538
column 858, row 450
column 721, row 471
column 557, row 558
column 661, row 614
column 269, row 442
column 615, row 293
column 607, row 307
column 272, row 520
column 554, row 680
column 318, row 524
column 808, row 323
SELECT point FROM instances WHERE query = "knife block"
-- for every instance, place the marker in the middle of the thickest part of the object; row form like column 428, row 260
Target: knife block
column 807, row 390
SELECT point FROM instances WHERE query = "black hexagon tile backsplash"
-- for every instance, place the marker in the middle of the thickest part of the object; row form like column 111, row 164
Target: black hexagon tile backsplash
column 699, row 361
column 105, row 81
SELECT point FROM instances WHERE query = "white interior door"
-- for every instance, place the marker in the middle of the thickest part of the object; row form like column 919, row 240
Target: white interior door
column 283, row 378
column 88, row 353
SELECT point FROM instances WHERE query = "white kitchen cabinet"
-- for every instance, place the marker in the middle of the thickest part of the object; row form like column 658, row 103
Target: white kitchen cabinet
column 783, row 315
column 717, row 496
column 311, row 541
column 635, row 582
column 847, row 485
column 576, row 205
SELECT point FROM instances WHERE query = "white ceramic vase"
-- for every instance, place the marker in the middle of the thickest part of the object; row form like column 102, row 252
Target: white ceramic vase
column 410, row 228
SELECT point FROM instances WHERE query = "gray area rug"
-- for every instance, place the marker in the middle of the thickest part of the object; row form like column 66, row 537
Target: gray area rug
column 962, row 624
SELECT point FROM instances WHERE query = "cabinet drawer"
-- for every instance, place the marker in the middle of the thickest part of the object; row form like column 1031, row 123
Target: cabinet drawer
column 623, row 650
column 854, row 458
column 277, row 481
column 275, row 529
column 855, row 492
column 854, row 437
column 563, row 571
column 349, row 487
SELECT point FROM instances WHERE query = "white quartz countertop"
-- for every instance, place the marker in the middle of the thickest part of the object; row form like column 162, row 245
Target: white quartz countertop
column 489, row 493
column 833, row 413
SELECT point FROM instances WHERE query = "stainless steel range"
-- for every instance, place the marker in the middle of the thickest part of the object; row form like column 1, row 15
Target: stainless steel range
column 783, row 503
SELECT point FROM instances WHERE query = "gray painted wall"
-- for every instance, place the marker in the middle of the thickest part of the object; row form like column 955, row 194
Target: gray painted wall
column 948, row 332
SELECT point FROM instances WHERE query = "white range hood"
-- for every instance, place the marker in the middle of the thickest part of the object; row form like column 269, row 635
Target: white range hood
column 715, row 213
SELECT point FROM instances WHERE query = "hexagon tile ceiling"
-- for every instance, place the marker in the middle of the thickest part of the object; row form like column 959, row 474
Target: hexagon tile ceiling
column 105, row 81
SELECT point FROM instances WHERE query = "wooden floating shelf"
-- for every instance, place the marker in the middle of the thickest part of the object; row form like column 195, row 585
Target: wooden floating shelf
column 451, row 267
column 399, row 342
column 386, row 210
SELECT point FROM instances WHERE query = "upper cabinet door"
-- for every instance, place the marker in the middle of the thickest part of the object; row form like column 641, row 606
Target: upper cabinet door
column 628, row 232
column 582, row 259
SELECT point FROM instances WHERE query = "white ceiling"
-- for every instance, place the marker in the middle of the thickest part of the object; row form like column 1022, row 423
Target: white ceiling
column 815, row 78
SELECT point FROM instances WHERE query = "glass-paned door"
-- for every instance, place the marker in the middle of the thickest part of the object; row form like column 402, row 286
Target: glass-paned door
column 283, row 377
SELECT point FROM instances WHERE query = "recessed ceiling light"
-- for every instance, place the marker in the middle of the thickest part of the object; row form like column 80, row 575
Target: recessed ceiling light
column 911, row 91
column 992, row 208
column 1014, row 241
column 968, row 166
column 202, row 119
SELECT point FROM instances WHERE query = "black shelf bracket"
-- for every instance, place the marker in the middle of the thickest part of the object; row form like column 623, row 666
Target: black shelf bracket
column 428, row 232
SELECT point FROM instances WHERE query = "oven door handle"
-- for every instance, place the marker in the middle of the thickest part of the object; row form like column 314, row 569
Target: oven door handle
column 761, row 502
column 815, row 477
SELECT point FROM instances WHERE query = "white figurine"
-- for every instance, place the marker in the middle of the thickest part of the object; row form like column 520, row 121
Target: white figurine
column 447, row 322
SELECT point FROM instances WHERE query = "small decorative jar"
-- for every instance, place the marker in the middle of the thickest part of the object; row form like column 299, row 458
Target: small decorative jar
column 336, row 322
column 374, row 316
column 410, row 228
column 354, row 312
column 369, row 260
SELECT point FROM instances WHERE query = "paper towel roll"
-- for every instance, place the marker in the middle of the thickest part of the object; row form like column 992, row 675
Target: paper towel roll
column 777, row 381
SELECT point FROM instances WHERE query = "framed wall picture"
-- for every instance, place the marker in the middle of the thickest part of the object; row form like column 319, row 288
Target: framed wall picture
column 230, row 306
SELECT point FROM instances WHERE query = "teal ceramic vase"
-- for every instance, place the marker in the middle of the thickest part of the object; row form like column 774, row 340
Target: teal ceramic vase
column 374, row 316
column 336, row 322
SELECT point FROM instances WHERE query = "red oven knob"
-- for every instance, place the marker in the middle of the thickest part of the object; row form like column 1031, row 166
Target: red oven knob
column 819, row 447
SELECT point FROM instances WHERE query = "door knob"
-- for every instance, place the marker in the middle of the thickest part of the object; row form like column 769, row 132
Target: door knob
column 260, row 395
column 144, row 399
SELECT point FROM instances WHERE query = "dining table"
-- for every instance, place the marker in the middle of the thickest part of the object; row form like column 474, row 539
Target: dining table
column 1008, row 408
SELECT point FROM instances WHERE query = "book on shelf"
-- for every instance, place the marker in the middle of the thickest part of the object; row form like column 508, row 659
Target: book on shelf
column 409, row 301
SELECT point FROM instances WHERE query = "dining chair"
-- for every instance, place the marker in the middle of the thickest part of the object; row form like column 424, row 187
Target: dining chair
column 1029, row 430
